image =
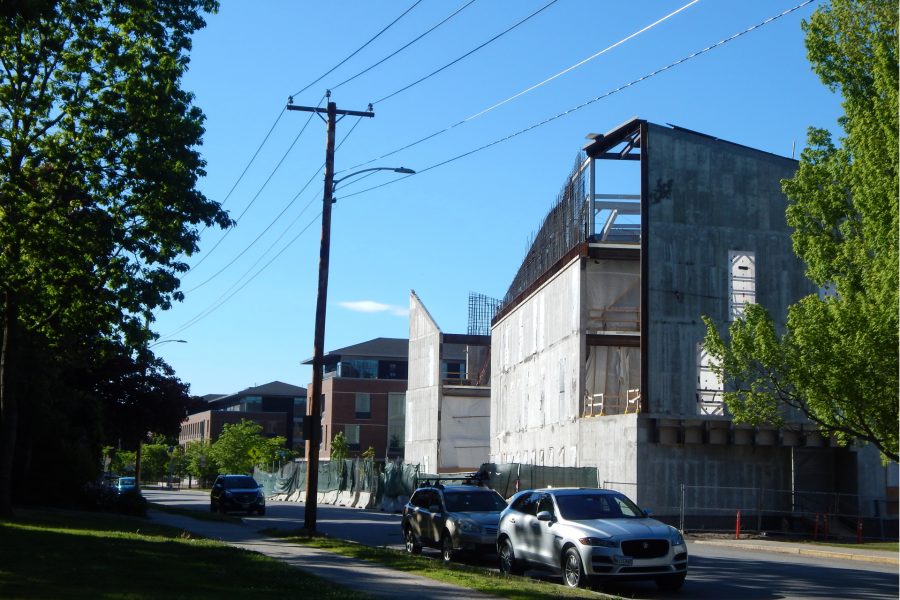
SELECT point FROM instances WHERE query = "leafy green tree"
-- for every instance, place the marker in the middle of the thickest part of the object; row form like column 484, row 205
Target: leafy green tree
column 98, row 172
column 200, row 463
column 155, row 460
column 268, row 452
column 178, row 464
column 241, row 446
column 837, row 361
column 120, row 461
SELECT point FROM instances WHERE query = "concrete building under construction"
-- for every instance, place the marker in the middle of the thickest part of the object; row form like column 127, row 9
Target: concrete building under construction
column 596, row 352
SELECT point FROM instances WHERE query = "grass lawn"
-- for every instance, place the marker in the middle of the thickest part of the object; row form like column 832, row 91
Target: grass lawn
column 476, row 578
column 68, row 554
column 890, row 546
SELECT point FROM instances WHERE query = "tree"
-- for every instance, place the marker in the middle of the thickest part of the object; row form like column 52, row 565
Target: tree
column 98, row 173
column 241, row 446
column 199, row 462
column 837, row 361
column 155, row 459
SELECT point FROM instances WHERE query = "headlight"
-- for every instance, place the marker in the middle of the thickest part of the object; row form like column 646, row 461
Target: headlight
column 227, row 494
column 469, row 526
column 601, row 542
column 677, row 539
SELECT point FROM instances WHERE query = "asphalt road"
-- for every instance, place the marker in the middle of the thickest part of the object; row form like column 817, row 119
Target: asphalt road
column 715, row 572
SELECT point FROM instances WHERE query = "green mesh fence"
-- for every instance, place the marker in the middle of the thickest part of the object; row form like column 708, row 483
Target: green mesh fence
column 513, row 477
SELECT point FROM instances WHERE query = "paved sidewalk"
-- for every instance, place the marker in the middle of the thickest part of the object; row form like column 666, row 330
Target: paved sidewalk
column 359, row 575
column 834, row 552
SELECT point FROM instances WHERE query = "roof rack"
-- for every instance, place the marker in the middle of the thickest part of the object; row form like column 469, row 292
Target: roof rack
column 473, row 478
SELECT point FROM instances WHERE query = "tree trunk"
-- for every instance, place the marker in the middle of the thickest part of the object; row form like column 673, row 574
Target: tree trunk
column 9, row 410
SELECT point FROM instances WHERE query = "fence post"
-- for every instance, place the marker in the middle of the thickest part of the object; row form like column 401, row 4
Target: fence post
column 681, row 522
column 737, row 526
column 759, row 509
column 816, row 528
column 859, row 530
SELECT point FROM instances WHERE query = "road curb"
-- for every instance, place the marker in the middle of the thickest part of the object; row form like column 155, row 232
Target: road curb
column 884, row 560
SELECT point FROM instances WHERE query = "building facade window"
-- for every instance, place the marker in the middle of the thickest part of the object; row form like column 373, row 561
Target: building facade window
column 351, row 433
column 741, row 283
column 453, row 370
column 396, row 429
column 709, row 385
column 363, row 405
column 358, row 369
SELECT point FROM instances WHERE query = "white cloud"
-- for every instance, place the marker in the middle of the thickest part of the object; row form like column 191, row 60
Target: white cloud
column 370, row 306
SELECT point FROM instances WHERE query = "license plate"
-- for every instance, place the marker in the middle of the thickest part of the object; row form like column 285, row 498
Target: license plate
column 623, row 560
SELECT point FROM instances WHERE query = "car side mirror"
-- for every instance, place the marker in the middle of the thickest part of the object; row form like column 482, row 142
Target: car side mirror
column 545, row 515
column 648, row 513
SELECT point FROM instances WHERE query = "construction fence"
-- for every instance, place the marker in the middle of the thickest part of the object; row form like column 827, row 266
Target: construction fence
column 789, row 513
column 367, row 483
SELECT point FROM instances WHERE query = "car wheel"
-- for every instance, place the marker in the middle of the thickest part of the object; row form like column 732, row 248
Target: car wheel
column 412, row 546
column 509, row 564
column 671, row 583
column 447, row 551
column 573, row 571
column 212, row 507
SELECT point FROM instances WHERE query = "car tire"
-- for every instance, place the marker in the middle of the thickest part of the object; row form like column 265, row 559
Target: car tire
column 212, row 507
column 447, row 551
column 573, row 570
column 671, row 583
column 509, row 564
column 412, row 546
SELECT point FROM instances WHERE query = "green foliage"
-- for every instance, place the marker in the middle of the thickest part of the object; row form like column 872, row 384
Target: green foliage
column 200, row 463
column 99, row 163
column 241, row 446
column 837, row 363
column 120, row 461
column 340, row 450
column 368, row 453
column 154, row 461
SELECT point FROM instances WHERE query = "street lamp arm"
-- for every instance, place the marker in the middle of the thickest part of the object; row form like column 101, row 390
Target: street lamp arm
column 403, row 170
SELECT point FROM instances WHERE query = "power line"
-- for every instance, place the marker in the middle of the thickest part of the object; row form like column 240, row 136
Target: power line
column 593, row 100
column 399, row 50
column 275, row 220
column 258, row 192
column 469, row 53
column 525, row 91
column 352, row 54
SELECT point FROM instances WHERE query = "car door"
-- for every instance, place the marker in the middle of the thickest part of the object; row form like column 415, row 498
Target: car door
column 429, row 506
column 546, row 544
column 520, row 525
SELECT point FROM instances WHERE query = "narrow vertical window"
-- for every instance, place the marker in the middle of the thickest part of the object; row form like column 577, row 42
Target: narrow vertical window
column 709, row 386
column 741, row 283
column 363, row 405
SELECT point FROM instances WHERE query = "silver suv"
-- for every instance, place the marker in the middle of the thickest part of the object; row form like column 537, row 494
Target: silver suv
column 452, row 518
column 589, row 535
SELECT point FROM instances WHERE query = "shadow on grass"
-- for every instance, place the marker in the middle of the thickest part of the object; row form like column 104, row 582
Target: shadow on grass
column 57, row 554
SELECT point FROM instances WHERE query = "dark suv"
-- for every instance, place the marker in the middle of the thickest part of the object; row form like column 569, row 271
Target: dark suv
column 452, row 518
column 237, row 492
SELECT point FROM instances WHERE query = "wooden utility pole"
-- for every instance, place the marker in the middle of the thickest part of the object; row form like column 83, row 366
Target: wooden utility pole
column 312, row 425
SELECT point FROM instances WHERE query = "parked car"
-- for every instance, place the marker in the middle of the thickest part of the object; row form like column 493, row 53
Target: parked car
column 452, row 518
column 589, row 535
column 124, row 484
column 237, row 492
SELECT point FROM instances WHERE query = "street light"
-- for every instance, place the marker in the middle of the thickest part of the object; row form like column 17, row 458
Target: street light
column 313, row 431
column 402, row 170
column 166, row 342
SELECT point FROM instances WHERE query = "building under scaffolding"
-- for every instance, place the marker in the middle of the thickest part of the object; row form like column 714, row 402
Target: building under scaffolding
column 597, row 356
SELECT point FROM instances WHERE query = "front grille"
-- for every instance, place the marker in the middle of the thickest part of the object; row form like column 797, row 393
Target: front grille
column 645, row 548
column 635, row 570
column 245, row 497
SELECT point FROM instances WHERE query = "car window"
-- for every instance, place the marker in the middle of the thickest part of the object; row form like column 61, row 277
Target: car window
column 545, row 503
column 581, row 507
column 240, row 483
column 474, row 501
column 527, row 503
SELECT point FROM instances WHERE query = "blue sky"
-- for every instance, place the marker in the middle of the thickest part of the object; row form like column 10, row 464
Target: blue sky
column 452, row 229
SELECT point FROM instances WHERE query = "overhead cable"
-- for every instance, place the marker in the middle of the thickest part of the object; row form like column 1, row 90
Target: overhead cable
column 352, row 54
column 530, row 89
column 258, row 192
column 275, row 220
column 399, row 50
column 469, row 53
column 593, row 100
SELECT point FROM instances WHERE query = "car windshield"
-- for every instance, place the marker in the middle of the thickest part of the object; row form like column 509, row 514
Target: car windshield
column 240, row 483
column 482, row 501
column 583, row 507
column 126, row 481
